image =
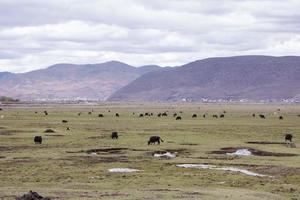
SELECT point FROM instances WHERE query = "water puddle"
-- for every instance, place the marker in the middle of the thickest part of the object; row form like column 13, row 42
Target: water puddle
column 214, row 167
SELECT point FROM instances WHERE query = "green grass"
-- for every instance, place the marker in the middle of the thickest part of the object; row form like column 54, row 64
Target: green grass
column 51, row 170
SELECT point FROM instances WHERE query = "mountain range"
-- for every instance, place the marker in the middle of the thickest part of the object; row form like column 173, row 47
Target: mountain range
column 227, row 78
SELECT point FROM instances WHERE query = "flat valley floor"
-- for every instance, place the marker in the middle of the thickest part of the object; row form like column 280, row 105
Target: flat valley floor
column 74, row 164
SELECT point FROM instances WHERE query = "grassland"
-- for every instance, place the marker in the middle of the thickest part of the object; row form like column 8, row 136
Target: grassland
column 61, row 168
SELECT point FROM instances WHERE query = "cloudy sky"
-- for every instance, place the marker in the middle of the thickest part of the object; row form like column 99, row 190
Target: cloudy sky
column 35, row 33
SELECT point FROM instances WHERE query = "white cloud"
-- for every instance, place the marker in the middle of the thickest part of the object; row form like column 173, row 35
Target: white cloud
column 36, row 34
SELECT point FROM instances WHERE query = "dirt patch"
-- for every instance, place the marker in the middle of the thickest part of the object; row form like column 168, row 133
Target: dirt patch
column 6, row 132
column 97, row 159
column 189, row 144
column 55, row 135
column 107, row 150
column 97, row 137
column 21, row 158
column 264, row 142
column 253, row 151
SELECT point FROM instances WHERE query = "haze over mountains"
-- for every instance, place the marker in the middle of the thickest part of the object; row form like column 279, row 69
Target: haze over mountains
column 68, row 81
column 228, row 78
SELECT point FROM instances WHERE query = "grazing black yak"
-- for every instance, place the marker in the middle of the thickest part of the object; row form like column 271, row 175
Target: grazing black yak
column 280, row 117
column 141, row 115
column 178, row 118
column 164, row 114
column 159, row 115
column 253, row 115
column 154, row 139
column 194, row 116
column 114, row 135
column 68, row 128
column 117, row 115
column 175, row 115
column 45, row 112
column 288, row 137
column 38, row 139
column 222, row 116
column 64, row 121
column 100, row 115
column 204, row 116
column 262, row 116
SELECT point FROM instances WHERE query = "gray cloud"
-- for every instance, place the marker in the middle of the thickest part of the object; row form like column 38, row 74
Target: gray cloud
column 36, row 34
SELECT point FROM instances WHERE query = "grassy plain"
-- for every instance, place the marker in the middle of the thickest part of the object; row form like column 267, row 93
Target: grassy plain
column 60, row 167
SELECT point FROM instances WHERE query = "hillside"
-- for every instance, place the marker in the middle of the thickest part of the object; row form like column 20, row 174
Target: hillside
column 228, row 78
column 69, row 81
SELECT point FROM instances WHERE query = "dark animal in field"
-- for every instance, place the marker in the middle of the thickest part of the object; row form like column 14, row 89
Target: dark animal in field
column 180, row 112
column 147, row 114
column 1, row 109
column 204, row 116
column 45, row 112
column 280, row 117
column 49, row 130
column 178, row 118
column 117, row 115
column 100, row 115
column 32, row 196
column 224, row 111
column 79, row 114
column 159, row 115
column 215, row 116
column 64, row 121
column 175, row 115
column 164, row 114
column 38, row 139
column 222, row 116
column 253, row 115
column 35, row 112
column 141, row 115
column 133, row 113
column 68, row 128
column 108, row 110
column 262, row 116
column 194, row 116
column 114, row 135
column 151, row 114
column 154, row 139
column 89, row 113
column 288, row 137
column 298, row 115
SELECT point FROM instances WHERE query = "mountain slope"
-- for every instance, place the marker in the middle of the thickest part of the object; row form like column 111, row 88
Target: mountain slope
column 68, row 81
column 240, row 77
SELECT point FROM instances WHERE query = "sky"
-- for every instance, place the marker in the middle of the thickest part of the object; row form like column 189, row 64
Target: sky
column 38, row 33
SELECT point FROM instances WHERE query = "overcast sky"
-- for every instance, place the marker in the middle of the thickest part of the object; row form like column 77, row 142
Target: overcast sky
column 36, row 33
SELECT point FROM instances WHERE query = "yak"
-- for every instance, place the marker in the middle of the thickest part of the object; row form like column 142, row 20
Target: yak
column 288, row 137
column 114, row 135
column 38, row 139
column 154, row 139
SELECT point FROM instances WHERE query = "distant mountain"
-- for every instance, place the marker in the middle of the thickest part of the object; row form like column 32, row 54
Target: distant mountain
column 235, row 78
column 69, row 81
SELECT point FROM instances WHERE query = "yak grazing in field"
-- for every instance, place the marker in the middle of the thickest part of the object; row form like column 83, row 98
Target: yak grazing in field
column 64, row 121
column 288, row 137
column 178, row 118
column 100, row 115
column 114, row 135
column 45, row 112
column 154, row 139
column 262, row 116
column 280, row 117
column 194, row 116
column 117, row 115
column 38, row 139
column 141, row 115
column 253, row 115
column 222, row 116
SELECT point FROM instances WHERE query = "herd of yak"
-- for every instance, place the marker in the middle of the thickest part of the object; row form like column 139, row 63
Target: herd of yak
column 155, row 139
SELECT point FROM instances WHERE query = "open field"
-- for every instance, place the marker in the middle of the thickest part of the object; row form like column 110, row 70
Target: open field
column 63, row 168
